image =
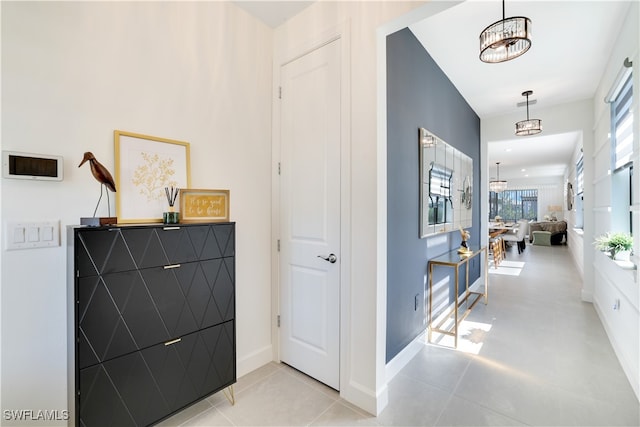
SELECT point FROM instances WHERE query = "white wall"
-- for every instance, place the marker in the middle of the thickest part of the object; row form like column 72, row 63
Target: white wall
column 612, row 284
column 72, row 73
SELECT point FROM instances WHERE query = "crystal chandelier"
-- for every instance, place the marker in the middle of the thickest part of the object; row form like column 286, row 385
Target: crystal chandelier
column 505, row 39
column 529, row 126
column 497, row 186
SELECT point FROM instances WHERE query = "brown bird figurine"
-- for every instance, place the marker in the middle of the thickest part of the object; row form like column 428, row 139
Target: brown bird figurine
column 99, row 172
column 102, row 175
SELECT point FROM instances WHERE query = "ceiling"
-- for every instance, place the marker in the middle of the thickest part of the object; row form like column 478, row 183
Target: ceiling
column 273, row 13
column 571, row 44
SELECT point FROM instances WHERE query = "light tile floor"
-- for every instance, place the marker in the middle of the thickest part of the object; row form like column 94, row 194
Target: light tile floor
column 542, row 359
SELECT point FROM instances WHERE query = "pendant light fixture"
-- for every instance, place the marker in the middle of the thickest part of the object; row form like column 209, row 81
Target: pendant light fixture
column 529, row 126
column 505, row 39
column 497, row 186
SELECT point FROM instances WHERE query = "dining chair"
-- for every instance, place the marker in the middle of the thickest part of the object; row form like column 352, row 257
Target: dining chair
column 518, row 235
column 497, row 250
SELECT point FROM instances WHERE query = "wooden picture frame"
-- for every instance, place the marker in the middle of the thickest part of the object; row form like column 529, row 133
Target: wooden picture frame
column 200, row 205
column 145, row 165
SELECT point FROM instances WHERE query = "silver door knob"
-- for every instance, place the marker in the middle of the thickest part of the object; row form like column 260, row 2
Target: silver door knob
column 332, row 258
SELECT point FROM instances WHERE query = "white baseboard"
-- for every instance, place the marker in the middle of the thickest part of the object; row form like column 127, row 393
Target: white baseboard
column 254, row 360
column 478, row 284
column 365, row 398
column 627, row 367
column 401, row 359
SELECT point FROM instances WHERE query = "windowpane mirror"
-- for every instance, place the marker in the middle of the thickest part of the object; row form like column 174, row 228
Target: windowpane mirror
column 446, row 186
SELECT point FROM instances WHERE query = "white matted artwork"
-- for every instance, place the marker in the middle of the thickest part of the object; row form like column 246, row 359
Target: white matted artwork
column 145, row 165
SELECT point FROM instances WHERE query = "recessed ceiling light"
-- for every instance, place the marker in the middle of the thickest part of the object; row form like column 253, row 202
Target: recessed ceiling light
column 507, row 150
column 523, row 170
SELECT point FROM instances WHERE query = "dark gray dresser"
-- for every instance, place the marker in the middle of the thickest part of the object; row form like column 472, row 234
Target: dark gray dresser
column 151, row 320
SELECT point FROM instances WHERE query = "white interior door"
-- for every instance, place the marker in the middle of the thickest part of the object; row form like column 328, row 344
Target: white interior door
column 310, row 214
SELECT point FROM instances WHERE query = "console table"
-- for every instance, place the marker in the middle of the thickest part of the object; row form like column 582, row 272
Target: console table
column 455, row 260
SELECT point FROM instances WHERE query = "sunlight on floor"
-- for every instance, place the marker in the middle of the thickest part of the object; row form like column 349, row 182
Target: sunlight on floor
column 507, row 268
column 470, row 337
column 520, row 374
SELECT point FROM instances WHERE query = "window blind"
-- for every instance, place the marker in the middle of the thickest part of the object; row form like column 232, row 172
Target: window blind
column 622, row 124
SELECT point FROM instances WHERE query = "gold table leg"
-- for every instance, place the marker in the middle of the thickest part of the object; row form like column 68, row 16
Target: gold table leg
column 429, row 317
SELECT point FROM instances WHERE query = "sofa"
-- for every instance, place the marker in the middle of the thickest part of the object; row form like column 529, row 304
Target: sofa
column 558, row 230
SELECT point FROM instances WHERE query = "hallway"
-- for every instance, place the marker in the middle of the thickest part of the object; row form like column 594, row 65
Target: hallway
column 540, row 357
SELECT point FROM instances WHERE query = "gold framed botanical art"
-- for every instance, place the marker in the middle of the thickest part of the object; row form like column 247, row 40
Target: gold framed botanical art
column 204, row 205
column 145, row 166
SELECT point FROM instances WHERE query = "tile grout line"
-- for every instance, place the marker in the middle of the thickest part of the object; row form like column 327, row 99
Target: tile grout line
column 322, row 413
column 452, row 393
column 247, row 387
column 283, row 369
column 456, row 395
column 185, row 423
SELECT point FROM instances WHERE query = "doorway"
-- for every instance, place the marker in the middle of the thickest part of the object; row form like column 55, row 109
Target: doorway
column 310, row 213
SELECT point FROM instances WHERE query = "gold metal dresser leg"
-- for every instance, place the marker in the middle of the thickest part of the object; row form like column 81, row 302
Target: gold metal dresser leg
column 230, row 395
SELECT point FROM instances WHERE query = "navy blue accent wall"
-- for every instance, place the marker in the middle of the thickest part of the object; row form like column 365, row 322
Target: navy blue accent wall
column 419, row 94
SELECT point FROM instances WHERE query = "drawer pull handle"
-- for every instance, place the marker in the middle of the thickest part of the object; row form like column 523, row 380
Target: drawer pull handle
column 171, row 228
column 177, row 340
column 167, row 267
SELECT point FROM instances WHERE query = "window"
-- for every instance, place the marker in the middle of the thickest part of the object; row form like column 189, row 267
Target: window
column 621, row 218
column 622, row 126
column 512, row 205
column 579, row 199
column 621, row 154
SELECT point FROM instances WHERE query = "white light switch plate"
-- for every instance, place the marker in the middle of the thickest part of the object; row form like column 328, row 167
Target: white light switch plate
column 30, row 235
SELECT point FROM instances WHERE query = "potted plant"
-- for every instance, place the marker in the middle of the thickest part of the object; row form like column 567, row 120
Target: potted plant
column 614, row 243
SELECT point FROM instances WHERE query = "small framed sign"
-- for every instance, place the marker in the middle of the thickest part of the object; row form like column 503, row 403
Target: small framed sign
column 204, row 205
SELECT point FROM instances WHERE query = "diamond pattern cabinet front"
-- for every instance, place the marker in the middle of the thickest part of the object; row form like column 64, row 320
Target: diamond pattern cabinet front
column 154, row 323
column 114, row 249
column 141, row 388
